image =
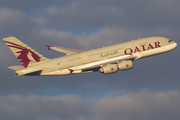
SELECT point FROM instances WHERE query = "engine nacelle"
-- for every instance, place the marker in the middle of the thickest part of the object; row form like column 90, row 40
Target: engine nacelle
column 125, row 65
column 111, row 68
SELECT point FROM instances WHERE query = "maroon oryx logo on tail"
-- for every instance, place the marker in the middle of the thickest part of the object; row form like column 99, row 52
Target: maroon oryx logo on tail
column 26, row 55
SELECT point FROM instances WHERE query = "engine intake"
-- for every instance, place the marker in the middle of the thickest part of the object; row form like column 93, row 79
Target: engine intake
column 108, row 69
column 125, row 65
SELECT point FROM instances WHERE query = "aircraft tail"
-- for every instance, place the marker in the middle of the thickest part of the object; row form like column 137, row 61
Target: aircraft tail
column 25, row 54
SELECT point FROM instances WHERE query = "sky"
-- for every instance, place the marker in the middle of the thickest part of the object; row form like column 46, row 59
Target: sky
column 150, row 91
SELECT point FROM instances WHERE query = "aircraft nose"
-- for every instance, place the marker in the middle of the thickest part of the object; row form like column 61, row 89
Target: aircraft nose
column 175, row 44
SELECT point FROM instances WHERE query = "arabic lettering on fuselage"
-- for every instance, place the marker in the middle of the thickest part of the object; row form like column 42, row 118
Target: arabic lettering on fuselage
column 109, row 53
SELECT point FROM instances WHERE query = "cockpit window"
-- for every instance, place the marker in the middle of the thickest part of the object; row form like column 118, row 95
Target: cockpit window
column 169, row 40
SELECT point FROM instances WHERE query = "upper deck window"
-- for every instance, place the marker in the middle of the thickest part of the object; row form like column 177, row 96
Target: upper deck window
column 169, row 40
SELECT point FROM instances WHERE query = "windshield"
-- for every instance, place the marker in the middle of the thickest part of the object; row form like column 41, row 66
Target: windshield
column 169, row 41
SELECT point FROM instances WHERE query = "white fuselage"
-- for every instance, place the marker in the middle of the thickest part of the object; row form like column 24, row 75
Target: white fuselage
column 80, row 62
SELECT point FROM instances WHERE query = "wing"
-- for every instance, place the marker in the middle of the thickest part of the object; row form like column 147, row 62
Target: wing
column 95, row 66
column 67, row 51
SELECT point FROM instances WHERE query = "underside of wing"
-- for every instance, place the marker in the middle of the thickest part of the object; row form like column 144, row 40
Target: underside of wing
column 110, row 66
column 67, row 51
column 95, row 66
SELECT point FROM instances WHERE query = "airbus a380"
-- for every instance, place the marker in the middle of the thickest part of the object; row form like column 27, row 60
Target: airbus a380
column 107, row 60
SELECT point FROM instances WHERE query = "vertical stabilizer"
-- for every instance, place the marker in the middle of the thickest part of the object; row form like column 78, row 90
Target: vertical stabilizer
column 26, row 55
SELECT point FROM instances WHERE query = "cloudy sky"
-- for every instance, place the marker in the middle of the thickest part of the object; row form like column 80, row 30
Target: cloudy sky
column 149, row 91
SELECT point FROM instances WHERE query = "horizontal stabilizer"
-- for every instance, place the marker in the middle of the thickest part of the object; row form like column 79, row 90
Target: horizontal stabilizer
column 16, row 67
column 36, row 73
column 67, row 51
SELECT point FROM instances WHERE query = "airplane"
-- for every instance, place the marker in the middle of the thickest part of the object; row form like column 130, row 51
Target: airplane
column 107, row 60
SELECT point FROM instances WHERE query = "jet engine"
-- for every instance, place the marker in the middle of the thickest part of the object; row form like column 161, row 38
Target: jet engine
column 110, row 68
column 125, row 65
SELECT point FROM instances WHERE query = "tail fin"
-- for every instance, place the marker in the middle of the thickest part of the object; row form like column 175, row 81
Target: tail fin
column 26, row 55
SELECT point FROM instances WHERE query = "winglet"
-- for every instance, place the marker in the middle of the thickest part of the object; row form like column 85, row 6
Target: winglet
column 49, row 47
column 71, row 71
